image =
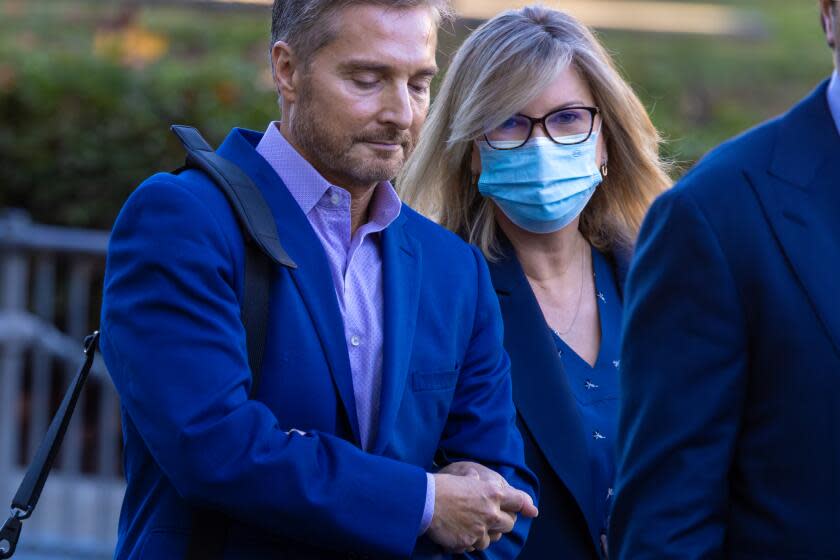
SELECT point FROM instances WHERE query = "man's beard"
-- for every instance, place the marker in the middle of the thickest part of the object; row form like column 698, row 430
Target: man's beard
column 331, row 150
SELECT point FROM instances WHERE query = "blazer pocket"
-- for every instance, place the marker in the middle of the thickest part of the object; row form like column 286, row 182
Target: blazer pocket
column 434, row 380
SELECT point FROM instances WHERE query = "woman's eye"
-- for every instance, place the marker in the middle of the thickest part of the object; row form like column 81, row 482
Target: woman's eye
column 508, row 124
column 566, row 118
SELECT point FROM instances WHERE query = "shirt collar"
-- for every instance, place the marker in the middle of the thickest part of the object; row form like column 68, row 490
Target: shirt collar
column 305, row 184
column 834, row 98
column 308, row 187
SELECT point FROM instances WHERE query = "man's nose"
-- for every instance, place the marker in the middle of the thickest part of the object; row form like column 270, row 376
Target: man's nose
column 397, row 108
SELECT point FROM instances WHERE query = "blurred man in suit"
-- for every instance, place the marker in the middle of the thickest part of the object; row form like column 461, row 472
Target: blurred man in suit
column 730, row 428
column 383, row 363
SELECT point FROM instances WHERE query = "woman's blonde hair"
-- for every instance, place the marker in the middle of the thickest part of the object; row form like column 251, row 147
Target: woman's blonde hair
column 500, row 68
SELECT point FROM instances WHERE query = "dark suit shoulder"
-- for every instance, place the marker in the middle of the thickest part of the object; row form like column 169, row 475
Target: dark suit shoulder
column 721, row 188
column 722, row 170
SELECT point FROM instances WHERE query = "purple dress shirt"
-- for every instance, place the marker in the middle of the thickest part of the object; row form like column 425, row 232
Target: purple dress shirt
column 834, row 98
column 356, row 266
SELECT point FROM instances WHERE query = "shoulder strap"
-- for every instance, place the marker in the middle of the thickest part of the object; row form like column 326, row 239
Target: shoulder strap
column 244, row 196
column 26, row 497
column 258, row 229
column 262, row 249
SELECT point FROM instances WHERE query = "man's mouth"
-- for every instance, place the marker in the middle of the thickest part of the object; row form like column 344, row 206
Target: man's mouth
column 384, row 145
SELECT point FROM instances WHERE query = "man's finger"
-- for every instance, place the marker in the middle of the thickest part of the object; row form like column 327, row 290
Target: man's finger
column 503, row 524
column 482, row 543
column 517, row 501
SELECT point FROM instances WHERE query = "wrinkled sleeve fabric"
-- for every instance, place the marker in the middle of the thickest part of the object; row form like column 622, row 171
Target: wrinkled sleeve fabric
column 683, row 378
column 175, row 347
column 482, row 420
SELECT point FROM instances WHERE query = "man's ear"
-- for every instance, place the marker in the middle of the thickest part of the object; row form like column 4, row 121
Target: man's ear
column 284, row 66
column 827, row 19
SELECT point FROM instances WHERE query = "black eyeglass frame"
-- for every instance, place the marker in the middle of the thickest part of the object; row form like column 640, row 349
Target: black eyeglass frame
column 593, row 111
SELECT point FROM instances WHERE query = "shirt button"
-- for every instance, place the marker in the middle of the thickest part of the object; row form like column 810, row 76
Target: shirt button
column 355, row 340
column 335, row 199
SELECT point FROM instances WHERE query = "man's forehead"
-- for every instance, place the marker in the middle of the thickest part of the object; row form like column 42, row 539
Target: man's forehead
column 397, row 35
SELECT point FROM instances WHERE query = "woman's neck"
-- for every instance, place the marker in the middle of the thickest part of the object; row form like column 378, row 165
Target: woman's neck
column 545, row 257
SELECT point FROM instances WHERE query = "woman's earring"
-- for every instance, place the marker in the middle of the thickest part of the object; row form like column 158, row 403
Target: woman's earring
column 604, row 170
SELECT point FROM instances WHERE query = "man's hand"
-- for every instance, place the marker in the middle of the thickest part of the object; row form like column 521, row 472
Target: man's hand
column 471, row 513
column 467, row 468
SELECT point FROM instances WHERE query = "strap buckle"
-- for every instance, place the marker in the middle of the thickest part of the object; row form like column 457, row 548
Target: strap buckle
column 91, row 342
column 10, row 533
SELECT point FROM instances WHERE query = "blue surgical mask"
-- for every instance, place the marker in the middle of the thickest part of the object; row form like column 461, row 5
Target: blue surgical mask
column 542, row 186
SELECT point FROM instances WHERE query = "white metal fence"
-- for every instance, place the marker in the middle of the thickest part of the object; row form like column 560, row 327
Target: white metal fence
column 50, row 286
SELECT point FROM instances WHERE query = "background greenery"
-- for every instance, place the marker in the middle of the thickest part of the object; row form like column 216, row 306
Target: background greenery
column 88, row 89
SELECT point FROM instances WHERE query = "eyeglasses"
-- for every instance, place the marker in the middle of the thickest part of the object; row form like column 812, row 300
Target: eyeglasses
column 567, row 126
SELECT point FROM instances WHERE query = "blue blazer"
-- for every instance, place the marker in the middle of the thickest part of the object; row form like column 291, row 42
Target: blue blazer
column 175, row 347
column 730, row 423
column 548, row 417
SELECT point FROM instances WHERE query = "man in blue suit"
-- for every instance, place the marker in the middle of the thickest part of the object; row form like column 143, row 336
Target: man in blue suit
column 730, row 421
column 384, row 368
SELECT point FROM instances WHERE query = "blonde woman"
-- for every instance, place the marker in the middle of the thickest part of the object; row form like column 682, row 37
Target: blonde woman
column 537, row 151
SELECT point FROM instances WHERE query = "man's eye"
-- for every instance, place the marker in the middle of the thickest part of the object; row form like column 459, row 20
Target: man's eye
column 365, row 84
column 422, row 87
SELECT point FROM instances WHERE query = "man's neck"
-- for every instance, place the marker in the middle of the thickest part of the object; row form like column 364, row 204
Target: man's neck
column 360, row 207
column 360, row 195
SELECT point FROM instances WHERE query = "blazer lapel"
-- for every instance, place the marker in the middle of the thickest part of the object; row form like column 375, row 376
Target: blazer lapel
column 402, row 273
column 312, row 276
column 541, row 391
column 802, row 203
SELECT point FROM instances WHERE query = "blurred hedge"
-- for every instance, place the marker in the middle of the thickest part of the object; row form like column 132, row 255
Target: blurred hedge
column 88, row 90
column 87, row 95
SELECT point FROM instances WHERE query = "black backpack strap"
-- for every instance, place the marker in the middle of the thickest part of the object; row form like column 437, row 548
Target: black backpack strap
column 26, row 497
column 262, row 249
column 244, row 196
column 210, row 527
column 262, row 245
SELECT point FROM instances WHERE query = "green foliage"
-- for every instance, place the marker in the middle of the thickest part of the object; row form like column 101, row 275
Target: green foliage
column 88, row 90
column 83, row 123
column 701, row 91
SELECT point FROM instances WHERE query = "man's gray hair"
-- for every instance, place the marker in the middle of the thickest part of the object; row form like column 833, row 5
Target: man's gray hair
column 308, row 25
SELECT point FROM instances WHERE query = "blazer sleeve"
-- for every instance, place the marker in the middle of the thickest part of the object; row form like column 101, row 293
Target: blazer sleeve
column 683, row 377
column 175, row 347
column 482, row 419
